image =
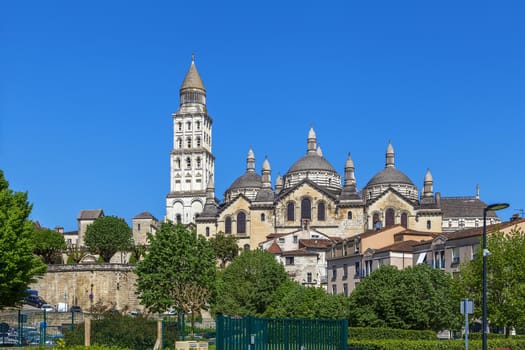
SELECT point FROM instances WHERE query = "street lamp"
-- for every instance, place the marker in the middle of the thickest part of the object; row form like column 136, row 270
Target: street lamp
column 486, row 253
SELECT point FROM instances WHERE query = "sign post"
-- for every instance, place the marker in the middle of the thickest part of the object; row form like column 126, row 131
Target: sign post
column 466, row 307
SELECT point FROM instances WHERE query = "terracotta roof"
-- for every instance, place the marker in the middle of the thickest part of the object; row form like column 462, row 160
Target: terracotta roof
column 298, row 252
column 274, row 248
column 276, row 235
column 315, row 243
column 478, row 231
column 404, row 246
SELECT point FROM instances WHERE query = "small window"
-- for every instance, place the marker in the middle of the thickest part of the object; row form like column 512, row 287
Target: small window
column 246, row 247
column 429, row 225
column 345, row 289
column 198, row 141
column 306, row 209
column 188, row 162
column 349, row 215
column 263, row 217
column 345, row 270
column 295, row 239
column 241, row 223
column 281, row 240
column 228, row 225
column 179, row 143
column 179, row 219
column 188, row 142
column 138, row 227
column 188, row 126
column 334, row 289
column 198, row 125
column 321, row 212
column 289, row 260
column 309, row 277
column 198, row 162
column 179, row 126
column 334, row 272
column 177, row 163
column 404, row 220
column 389, row 217
column 290, row 211
column 357, row 269
column 207, row 231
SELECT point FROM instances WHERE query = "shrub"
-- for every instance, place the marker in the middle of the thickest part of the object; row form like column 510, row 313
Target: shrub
column 400, row 344
column 369, row 333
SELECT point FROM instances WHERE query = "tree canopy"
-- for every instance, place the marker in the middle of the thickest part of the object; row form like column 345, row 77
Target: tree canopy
column 418, row 297
column 108, row 235
column 177, row 272
column 505, row 280
column 48, row 245
column 18, row 265
column 225, row 247
column 296, row 301
column 247, row 285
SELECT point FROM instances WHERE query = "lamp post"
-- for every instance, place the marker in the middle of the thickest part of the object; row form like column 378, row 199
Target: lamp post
column 486, row 253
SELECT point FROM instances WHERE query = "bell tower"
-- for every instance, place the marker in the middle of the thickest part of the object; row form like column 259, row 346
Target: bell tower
column 191, row 159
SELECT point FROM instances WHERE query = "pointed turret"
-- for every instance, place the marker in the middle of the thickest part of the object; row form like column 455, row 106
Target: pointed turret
column 250, row 161
column 193, row 79
column 428, row 190
column 279, row 183
column 266, row 174
column 389, row 155
column 210, row 190
column 349, row 171
column 319, row 151
column 312, row 140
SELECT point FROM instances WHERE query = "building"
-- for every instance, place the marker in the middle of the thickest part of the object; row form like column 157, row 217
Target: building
column 191, row 159
column 310, row 195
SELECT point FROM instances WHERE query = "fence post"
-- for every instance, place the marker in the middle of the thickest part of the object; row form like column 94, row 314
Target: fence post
column 87, row 331
column 219, row 326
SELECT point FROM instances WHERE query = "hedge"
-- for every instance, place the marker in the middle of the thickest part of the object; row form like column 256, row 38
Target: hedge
column 400, row 344
column 368, row 333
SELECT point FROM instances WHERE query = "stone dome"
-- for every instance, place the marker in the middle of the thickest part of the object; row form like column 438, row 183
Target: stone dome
column 311, row 161
column 249, row 179
column 389, row 175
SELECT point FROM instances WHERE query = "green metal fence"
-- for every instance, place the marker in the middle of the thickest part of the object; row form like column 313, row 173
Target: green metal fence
column 236, row 333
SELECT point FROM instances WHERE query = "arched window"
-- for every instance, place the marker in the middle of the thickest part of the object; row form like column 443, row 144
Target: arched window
column 246, row 247
column 188, row 142
column 177, row 163
column 179, row 126
column 349, row 215
column 179, row 143
column 198, row 141
column 389, row 217
column 376, row 221
column 404, row 220
column 198, row 162
column 429, row 224
column 290, row 211
column 241, row 222
column 188, row 126
column 306, row 209
column 263, row 217
column 188, row 162
column 207, row 231
column 321, row 211
column 228, row 225
column 178, row 219
column 198, row 125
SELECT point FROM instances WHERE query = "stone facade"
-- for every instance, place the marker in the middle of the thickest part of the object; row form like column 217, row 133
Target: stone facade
column 84, row 284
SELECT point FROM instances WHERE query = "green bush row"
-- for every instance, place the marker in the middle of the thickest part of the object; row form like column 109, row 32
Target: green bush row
column 400, row 344
column 477, row 335
column 365, row 333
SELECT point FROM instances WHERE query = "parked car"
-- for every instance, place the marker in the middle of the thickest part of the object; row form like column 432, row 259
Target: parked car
column 47, row 308
column 76, row 308
column 34, row 300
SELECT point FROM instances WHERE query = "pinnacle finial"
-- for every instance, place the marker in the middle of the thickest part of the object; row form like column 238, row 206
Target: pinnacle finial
column 193, row 57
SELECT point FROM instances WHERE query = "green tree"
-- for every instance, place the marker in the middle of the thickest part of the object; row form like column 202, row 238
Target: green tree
column 505, row 280
column 178, row 271
column 247, row 285
column 418, row 297
column 225, row 247
column 48, row 245
column 294, row 300
column 108, row 235
column 18, row 265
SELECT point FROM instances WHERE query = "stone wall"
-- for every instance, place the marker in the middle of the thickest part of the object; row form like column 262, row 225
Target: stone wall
column 84, row 284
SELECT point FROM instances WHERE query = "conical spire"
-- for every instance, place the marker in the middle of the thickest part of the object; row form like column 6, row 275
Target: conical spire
column 349, row 171
column 428, row 185
column 312, row 139
column 250, row 160
column 389, row 155
column 193, row 79
column 210, row 190
column 279, row 183
column 319, row 151
column 266, row 174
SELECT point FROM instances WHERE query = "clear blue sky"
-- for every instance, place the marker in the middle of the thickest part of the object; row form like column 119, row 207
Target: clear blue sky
column 88, row 88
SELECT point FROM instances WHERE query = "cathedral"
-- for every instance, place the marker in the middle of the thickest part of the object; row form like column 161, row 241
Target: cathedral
column 311, row 195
